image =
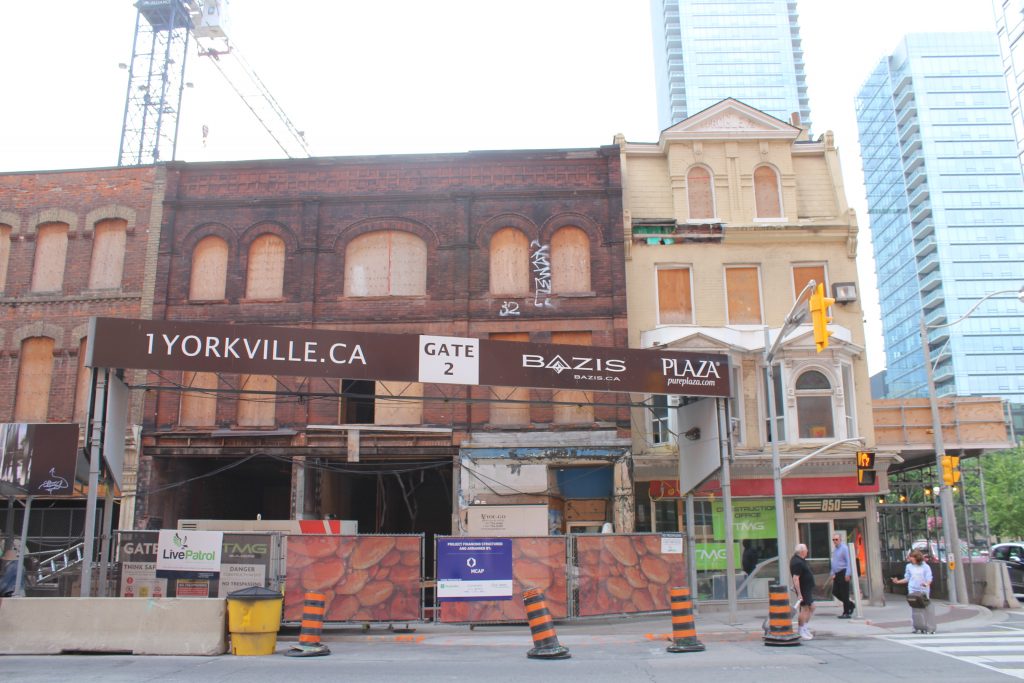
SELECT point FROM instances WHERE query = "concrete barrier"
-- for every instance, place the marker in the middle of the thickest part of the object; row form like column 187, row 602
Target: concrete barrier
column 141, row 626
column 998, row 591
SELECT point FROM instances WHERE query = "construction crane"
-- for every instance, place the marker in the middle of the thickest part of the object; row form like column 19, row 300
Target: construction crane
column 156, row 79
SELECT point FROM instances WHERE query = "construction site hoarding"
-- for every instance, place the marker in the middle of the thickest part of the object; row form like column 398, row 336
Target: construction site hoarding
column 365, row 578
column 620, row 574
column 306, row 352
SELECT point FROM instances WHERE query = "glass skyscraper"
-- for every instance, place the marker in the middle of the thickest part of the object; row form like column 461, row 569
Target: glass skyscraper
column 708, row 50
column 946, row 211
column 1010, row 31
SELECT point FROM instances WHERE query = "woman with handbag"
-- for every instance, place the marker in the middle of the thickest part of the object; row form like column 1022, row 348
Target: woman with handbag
column 918, row 577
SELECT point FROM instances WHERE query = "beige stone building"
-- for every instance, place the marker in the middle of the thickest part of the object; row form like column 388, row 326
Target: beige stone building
column 727, row 217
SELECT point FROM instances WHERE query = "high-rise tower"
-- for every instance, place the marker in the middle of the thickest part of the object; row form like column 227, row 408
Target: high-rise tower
column 946, row 210
column 708, row 50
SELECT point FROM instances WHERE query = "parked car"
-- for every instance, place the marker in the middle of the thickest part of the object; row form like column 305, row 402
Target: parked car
column 935, row 551
column 1013, row 555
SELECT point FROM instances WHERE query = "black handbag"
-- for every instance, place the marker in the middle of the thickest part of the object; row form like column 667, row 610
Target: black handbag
column 917, row 600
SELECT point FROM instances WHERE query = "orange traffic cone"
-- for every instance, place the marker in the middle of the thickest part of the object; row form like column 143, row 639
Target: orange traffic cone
column 780, row 618
column 312, row 626
column 684, row 632
column 545, row 640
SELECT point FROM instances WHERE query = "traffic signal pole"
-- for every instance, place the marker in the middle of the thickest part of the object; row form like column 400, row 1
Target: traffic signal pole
column 957, row 580
column 794, row 318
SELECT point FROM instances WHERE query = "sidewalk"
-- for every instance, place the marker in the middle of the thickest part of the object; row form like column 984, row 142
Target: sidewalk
column 712, row 625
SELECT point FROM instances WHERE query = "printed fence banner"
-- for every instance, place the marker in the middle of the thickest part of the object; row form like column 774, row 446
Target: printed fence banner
column 626, row 573
column 365, row 578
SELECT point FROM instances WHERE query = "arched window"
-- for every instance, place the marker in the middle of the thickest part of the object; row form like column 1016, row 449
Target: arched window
column 386, row 263
column 35, row 372
column 199, row 406
column 814, row 405
column 108, row 244
column 5, row 253
column 510, row 263
column 700, row 193
column 257, row 409
column 767, row 196
column 264, row 277
column 570, row 261
column 51, row 251
column 209, row 270
column 82, row 380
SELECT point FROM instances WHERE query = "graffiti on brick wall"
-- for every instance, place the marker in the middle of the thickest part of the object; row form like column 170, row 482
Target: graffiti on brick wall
column 541, row 263
column 509, row 308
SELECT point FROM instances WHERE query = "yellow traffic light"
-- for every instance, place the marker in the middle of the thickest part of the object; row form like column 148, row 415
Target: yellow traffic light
column 819, row 305
column 950, row 469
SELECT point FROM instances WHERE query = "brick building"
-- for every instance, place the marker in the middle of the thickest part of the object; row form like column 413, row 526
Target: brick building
column 518, row 246
column 73, row 244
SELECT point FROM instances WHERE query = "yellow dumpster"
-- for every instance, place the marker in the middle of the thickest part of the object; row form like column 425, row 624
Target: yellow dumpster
column 254, row 618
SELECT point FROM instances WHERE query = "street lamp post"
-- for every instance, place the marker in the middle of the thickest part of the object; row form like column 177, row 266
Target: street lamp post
column 951, row 536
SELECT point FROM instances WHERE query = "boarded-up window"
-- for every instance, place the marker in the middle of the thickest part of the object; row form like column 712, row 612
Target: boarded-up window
column 386, row 263
column 35, row 372
column 507, row 410
column 51, row 250
column 257, row 409
column 510, row 263
column 804, row 274
column 579, row 408
column 406, row 410
column 264, row 278
column 209, row 270
column 199, row 406
column 767, row 202
column 675, row 301
column 5, row 253
column 82, row 381
column 108, row 244
column 700, row 193
column 570, row 261
column 743, row 295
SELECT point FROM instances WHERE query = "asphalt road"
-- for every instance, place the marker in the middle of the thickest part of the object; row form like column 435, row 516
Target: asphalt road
column 500, row 655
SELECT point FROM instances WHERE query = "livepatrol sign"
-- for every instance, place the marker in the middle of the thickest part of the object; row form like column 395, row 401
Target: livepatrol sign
column 303, row 352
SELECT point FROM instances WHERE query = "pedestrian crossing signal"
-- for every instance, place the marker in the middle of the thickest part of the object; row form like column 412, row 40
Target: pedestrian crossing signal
column 865, row 468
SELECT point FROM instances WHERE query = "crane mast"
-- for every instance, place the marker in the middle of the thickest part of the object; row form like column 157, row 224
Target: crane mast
column 156, row 79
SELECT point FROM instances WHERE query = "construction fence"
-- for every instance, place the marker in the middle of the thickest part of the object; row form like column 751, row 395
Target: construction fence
column 382, row 579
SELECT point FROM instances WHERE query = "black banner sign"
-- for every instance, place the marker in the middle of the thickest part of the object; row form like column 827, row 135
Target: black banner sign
column 303, row 352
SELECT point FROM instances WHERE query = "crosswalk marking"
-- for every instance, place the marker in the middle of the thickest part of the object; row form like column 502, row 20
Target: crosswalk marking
column 1001, row 651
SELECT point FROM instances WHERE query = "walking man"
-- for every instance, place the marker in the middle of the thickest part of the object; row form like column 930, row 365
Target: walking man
column 803, row 584
column 842, row 572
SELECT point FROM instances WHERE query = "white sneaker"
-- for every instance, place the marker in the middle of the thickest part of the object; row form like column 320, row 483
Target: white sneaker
column 806, row 634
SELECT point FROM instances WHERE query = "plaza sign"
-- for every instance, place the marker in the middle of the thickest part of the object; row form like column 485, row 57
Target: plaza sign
column 304, row 352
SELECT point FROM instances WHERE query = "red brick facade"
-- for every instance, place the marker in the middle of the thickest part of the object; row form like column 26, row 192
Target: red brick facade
column 454, row 203
column 80, row 199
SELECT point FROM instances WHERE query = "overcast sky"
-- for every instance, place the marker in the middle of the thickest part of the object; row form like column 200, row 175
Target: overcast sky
column 408, row 76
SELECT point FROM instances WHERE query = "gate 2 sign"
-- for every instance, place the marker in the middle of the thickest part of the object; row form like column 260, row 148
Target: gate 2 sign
column 474, row 569
column 303, row 352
